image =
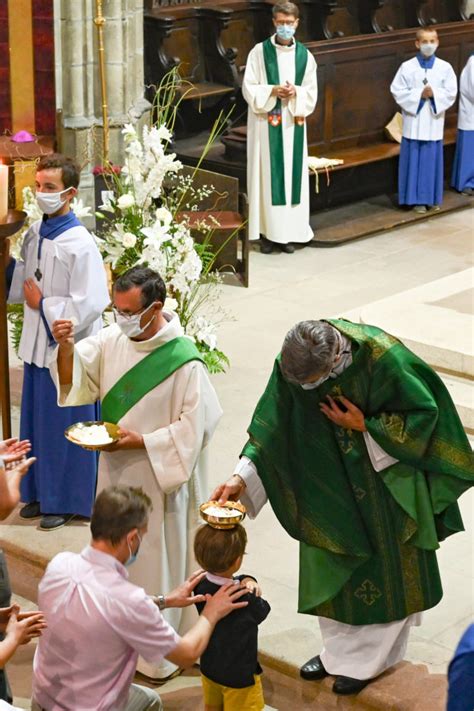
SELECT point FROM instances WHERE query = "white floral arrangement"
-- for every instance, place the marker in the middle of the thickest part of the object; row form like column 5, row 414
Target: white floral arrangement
column 143, row 227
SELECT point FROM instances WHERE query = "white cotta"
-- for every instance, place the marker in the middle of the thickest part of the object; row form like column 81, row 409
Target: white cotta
column 466, row 97
column 427, row 124
column 278, row 223
column 177, row 419
column 73, row 283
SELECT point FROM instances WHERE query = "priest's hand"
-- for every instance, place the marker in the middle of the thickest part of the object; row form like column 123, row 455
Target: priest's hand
column 182, row 596
column 33, row 294
column 351, row 418
column 128, row 440
column 427, row 92
column 231, row 490
column 63, row 334
column 290, row 90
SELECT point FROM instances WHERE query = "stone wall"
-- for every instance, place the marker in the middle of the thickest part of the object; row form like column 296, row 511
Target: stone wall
column 78, row 93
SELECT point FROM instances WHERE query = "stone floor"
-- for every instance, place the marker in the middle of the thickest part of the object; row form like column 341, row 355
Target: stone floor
column 315, row 283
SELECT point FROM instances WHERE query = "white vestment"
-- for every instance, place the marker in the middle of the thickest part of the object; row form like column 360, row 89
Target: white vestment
column 425, row 123
column 357, row 651
column 73, row 283
column 177, row 419
column 466, row 97
column 278, row 223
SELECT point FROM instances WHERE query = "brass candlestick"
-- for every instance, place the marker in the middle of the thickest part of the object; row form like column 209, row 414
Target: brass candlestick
column 99, row 22
column 9, row 226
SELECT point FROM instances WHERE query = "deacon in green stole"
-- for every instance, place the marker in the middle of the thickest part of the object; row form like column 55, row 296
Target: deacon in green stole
column 359, row 448
column 150, row 380
column 281, row 90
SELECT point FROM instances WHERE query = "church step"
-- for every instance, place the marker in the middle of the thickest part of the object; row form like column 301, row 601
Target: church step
column 462, row 392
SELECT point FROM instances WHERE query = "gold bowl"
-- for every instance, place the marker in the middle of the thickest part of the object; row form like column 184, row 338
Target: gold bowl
column 223, row 521
column 109, row 426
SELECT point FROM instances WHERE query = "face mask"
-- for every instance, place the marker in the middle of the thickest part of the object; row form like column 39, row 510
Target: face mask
column 133, row 556
column 285, row 32
column 130, row 325
column 311, row 386
column 49, row 203
column 428, row 49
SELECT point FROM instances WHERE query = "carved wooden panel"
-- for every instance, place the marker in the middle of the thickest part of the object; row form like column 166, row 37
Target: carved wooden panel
column 383, row 15
column 344, row 20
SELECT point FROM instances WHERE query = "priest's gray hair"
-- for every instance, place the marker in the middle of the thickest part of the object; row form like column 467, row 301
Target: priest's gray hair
column 309, row 350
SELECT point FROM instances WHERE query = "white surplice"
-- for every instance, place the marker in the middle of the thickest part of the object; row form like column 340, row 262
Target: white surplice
column 177, row 419
column 278, row 223
column 357, row 651
column 466, row 97
column 427, row 123
column 73, row 283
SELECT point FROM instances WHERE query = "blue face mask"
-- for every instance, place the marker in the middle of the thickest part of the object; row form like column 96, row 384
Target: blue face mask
column 133, row 556
column 285, row 32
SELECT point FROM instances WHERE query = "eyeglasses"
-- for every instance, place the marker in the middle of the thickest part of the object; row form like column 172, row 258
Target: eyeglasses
column 129, row 316
column 282, row 23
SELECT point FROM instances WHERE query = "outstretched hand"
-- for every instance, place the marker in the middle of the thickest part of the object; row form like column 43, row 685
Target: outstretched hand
column 11, row 450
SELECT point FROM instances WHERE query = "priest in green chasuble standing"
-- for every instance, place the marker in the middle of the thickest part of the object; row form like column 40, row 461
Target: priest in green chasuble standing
column 150, row 380
column 281, row 90
column 358, row 447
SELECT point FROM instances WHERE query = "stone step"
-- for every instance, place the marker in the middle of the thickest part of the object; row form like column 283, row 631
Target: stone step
column 462, row 393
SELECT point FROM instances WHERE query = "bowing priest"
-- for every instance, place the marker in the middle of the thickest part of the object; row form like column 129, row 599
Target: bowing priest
column 60, row 275
column 463, row 168
column 152, row 382
column 359, row 448
column 424, row 88
column 281, row 91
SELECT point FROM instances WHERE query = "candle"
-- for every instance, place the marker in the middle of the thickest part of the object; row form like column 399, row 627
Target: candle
column 3, row 192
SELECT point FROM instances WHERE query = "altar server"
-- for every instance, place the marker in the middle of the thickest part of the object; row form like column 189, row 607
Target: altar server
column 424, row 88
column 281, row 90
column 60, row 275
column 151, row 381
column 463, row 169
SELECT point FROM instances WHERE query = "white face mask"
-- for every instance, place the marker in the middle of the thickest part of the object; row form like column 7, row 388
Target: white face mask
column 130, row 325
column 428, row 48
column 317, row 383
column 49, row 203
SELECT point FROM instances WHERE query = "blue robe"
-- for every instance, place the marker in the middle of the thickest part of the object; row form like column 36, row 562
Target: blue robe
column 63, row 479
column 461, row 674
column 463, row 167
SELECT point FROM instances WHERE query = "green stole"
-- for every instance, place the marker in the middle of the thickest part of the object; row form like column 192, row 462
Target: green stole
column 368, row 539
column 147, row 375
column 275, row 129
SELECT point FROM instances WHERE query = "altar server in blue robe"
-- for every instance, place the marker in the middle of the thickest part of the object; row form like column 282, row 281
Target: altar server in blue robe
column 463, row 169
column 60, row 275
column 424, row 88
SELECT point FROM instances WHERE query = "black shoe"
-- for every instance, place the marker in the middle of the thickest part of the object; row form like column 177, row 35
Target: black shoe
column 51, row 522
column 266, row 247
column 287, row 248
column 345, row 685
column 31, row 510
column 313, row 669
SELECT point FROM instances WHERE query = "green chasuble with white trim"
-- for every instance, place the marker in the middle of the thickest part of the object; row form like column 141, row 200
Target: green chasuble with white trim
column 368, row 539
column 275, row 128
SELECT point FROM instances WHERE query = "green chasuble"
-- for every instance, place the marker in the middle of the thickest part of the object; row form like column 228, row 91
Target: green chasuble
column 368, row 539
column 146, row 375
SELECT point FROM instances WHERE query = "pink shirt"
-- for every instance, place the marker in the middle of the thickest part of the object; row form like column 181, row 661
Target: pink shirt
column 98, row 624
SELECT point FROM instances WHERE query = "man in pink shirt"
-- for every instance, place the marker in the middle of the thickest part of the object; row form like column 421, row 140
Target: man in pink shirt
column 99, row 622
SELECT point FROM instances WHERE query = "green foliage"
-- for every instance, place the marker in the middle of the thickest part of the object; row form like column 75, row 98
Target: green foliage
column 15, row 314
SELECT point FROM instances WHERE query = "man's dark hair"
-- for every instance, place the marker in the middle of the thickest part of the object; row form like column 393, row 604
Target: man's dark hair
column 286, row 8
column 216, row 550
column 151, row 284
column 70, row 170
column 118, row 510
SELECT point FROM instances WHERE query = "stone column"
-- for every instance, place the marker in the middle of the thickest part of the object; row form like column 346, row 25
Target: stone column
column 78, row 82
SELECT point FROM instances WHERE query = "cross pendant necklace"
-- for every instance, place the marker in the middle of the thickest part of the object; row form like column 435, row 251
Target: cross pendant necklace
column 38, row 273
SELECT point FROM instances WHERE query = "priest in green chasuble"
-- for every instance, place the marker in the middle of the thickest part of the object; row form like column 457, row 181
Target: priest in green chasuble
column 151, row 381
column 280, row 88
column 358, row 447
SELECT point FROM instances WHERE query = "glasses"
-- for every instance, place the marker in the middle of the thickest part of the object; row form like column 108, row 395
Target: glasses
column 129, row 316
column 282, row 23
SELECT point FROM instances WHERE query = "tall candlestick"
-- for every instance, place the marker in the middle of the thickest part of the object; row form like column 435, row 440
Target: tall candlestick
column 3, row 192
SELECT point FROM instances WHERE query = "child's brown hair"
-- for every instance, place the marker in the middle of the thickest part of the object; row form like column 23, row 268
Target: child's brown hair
column 216, row 550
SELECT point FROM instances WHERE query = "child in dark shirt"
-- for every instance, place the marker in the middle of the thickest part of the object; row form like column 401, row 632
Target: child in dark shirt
column 229, row 666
